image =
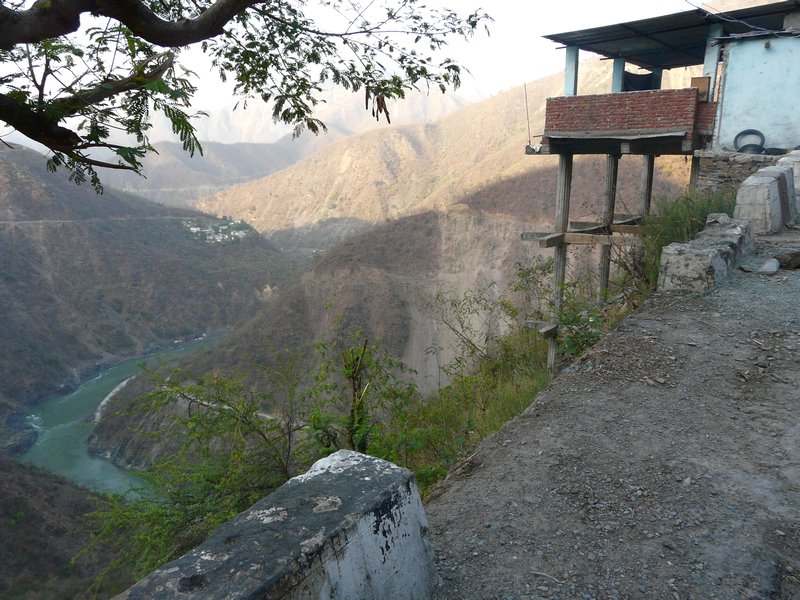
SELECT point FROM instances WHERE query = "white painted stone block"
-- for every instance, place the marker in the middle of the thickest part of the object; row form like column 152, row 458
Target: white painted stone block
column 353, row 526
column 785, row 175
column 759, row 200
column 793, row 160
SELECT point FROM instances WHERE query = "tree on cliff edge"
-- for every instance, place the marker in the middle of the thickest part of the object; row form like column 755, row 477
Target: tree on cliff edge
column 74, row 71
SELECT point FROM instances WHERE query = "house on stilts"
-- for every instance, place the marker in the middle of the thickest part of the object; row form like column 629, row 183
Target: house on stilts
column 741, row 114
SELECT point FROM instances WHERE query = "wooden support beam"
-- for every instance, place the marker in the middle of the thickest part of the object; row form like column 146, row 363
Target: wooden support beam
column 557, row 240
column 545, row 329
column 590, row 235
column 619, row 219
column 587, row 238
column 612, row 171
column 527, row 236
column 553, row 240
column 627, row 229
column 549, row 332
column 563, row 192
column 647, row 182
column 694, row 173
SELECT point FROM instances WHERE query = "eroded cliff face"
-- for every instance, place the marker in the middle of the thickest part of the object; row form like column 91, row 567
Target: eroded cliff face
column 378, row 283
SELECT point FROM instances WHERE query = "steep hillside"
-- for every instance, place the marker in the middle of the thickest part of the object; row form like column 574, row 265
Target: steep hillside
column 257, row 147
column 42, row 524
column 87, row 279
column 397, row 171
column 174, row 178
column 378, row 282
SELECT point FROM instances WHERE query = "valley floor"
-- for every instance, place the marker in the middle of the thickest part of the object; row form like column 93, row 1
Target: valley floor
column 665, row 464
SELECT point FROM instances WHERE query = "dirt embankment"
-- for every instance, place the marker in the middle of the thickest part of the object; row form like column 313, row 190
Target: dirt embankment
column 666, row 464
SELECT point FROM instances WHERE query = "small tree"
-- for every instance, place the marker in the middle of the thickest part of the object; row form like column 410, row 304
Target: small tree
column 353, row 397
column 230, row 454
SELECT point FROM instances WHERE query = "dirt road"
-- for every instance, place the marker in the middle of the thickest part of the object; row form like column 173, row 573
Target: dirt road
column 666, row 464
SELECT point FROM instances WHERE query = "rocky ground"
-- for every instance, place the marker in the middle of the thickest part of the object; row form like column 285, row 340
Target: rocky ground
column 665, row 464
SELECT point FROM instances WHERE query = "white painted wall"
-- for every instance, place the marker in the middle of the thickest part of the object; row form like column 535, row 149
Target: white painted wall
column 762, row 91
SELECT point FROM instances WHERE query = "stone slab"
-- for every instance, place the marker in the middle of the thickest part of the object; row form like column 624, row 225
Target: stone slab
column 759, row 200
column 785, row 175
column 352, row 527
column 701, row 264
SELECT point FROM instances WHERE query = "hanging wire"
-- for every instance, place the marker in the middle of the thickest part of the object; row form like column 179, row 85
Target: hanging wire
column 723, row 16
column 527, row 112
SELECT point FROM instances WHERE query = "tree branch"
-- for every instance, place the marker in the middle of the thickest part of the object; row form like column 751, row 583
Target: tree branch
column 43, row 126
column 54, row 18
column 69, row 106
column 36, row 126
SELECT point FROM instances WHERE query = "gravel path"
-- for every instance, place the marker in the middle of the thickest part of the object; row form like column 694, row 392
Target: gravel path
column 665, row 464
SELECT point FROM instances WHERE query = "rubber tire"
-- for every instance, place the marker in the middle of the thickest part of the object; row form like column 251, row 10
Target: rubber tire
column 745, row 133
column 751, row 149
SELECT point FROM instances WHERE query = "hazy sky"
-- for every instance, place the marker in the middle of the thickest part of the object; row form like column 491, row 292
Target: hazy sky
column 514, row 51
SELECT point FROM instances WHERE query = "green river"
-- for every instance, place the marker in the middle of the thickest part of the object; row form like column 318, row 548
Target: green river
column 64, row 424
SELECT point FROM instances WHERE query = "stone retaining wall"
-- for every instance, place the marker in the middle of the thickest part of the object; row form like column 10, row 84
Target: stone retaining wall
column 353, row 527
column 699, row 265
column 727, row 170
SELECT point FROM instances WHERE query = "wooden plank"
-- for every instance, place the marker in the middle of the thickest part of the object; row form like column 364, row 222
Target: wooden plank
column 647, row 182
column 587, row 238
column 627, row 229
column 549, row 332
column 552, row 241
column 534, row 235
column 556, row 240
column 619, row 219
column 596, row 228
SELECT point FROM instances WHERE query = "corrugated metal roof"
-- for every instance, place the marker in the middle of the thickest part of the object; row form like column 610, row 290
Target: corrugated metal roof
column 677, row 40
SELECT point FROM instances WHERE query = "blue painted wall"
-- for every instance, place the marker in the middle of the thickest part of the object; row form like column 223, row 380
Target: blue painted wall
column 762, row 91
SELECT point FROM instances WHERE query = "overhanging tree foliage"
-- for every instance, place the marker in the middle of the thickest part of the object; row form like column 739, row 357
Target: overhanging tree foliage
column 75, row 71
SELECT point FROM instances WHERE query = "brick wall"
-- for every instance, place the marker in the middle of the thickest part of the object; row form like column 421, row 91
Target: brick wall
column 624, row 112
column 706, row 116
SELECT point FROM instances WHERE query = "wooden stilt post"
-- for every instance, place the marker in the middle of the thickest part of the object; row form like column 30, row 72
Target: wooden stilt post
column 560, row 262
column 612, row 170
column 647, row 183
column 694, row 173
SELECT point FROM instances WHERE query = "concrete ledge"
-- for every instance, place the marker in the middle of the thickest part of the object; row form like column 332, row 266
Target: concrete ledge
column 699, row 265
column 353, row 527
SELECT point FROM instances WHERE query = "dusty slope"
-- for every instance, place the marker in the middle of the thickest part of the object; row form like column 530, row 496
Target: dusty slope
column 255, row 146
column 665, row 465
column 397, row 171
